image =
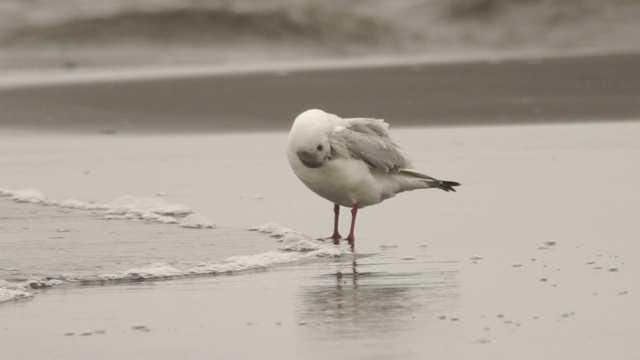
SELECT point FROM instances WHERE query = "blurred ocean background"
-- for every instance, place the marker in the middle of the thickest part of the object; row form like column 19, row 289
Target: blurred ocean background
column 86, row 33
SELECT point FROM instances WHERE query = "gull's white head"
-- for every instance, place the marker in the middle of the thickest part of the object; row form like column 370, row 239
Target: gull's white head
column 309, row 138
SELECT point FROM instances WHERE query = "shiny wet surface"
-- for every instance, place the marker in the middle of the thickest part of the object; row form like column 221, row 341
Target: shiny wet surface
column 531, row 258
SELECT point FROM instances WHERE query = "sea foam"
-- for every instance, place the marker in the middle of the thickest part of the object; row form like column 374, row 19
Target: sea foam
column 10, row 292
column 294, row 248
column 197, row 221
column 274, row 230
column 27, row 195
column 123, row 208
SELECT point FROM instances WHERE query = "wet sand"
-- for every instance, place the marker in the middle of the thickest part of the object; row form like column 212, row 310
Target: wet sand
column 533, row 257
column 517, row 91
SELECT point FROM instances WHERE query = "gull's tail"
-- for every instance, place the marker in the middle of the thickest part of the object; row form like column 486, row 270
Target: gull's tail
column 433, row 183
column 448, row 185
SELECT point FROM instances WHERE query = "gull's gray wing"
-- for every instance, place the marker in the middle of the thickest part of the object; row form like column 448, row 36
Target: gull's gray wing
column 369, row 141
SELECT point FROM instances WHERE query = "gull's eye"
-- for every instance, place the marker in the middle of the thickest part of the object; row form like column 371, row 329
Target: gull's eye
column 319, row 147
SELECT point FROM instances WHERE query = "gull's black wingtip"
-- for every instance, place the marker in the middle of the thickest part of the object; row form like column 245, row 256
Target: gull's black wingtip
column 448, row 185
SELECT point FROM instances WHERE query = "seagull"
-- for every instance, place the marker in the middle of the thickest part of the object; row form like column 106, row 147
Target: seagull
column 352, row 163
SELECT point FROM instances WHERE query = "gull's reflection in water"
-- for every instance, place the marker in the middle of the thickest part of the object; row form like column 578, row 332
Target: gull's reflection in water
column 357, row 301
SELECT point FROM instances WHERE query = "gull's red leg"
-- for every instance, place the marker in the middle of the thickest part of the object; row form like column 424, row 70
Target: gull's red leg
column 351, row 238
column 336, row 235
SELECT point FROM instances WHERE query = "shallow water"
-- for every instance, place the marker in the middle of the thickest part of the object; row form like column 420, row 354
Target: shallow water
column 532, row 257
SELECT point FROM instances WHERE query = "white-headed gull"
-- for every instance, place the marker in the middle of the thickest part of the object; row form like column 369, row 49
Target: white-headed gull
column 352, row 162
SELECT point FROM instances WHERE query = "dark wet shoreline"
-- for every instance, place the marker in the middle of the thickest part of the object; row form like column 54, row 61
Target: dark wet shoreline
column 582, row 88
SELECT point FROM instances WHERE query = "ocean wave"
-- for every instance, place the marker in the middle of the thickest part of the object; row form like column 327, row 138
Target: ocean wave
column 338, row 28
column 9, row 292
column 31, row 196
column 126, row 207
column 196, row 221
column 291, row 240
column 193, row 26
column 295, row 248
column 274, row 230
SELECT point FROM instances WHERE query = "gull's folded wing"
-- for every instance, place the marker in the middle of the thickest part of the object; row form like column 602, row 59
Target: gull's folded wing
column 369, row 141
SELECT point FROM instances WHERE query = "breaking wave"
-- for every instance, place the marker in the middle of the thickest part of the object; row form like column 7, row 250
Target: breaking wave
column 123, row 208
column 174, row 32
column 9, row 292
column 221, row 26
column 294, row 248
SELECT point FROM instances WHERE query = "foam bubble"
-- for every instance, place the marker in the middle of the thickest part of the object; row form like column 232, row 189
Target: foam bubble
column 72, row 204
column 123, row 208
column 81, row 205
column 295, row 248
column 273, row 258
column 10, row 291
column 274, row 230
column 13, row 294
column 37, row 283
column 197, row 221
column 145, row 208
column 297, row 242
column 114, row 217
column 140, row 214
column 27, row 195
column 153, row 271
column 128, row 203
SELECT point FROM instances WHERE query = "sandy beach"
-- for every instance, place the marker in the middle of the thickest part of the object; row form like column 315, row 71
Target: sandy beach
column 531, row 258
